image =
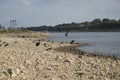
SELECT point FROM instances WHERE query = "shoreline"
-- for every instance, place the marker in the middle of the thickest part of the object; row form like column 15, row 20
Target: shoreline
column 38, row 59
column 107, row 52
column 74, row 50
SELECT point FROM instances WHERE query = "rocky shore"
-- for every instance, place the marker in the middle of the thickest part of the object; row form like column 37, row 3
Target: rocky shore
column 32, row 58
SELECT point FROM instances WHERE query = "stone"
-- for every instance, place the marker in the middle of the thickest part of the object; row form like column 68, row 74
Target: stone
column 27, row 62
column 55, row 78
column 48, row 49
column 37, row 43
column 15, row 42
column 45, row 45
column 0, row 40
column 72, row 42
column 6, row 44
column 18, row 71
column 3, row 76
column 80, row 74
column 10, row 72
column 23, row 36
column 69, row 61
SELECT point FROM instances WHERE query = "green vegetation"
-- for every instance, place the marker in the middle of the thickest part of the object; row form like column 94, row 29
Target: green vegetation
column 93, row 26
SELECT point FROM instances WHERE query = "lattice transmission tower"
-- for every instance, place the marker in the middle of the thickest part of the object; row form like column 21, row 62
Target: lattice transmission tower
column 13, row 23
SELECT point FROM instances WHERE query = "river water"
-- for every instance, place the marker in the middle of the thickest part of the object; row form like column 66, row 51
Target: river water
column 100, row 42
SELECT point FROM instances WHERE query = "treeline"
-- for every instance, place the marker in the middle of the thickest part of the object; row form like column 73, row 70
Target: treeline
column 93, row 26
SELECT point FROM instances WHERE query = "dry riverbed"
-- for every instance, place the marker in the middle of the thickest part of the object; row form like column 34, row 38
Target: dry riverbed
column 37, row 59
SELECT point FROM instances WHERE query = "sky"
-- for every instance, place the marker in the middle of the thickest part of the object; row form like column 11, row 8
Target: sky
column 52, row 12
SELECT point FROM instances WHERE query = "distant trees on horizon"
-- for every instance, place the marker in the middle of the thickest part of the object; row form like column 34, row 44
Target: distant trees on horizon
column 95, row 25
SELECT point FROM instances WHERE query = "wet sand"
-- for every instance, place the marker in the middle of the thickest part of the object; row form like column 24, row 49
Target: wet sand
column 33, row 58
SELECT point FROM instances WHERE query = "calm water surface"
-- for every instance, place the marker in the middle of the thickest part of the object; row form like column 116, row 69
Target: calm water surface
column 100, row 42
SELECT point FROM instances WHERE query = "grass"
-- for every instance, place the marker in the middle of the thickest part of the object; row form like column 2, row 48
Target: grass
column 21, row 33
column 13, row 31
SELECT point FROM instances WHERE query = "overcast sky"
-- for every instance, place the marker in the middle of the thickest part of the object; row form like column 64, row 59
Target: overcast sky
column 53, row 12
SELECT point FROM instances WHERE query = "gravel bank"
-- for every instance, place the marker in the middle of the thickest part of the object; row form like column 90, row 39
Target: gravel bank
column 36, row 59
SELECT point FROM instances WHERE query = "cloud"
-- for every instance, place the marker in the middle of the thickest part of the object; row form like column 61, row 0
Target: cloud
column 25, row 2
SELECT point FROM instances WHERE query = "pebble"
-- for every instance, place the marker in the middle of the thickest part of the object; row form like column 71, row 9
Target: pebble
column 0, row 40
column 72, row 42
column 6, row 44
column 48, row 49
column 27, row 62
column 10, row 72
column 37, row 43
column 55, row 78
column 15, row 42
column 69, row 61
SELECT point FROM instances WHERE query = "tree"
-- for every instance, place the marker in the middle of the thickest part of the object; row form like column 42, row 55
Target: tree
column 0, row 25
column 96, row 21
column 118, row 21
column 87, row 24
column 113, row 21
column 105, row 20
